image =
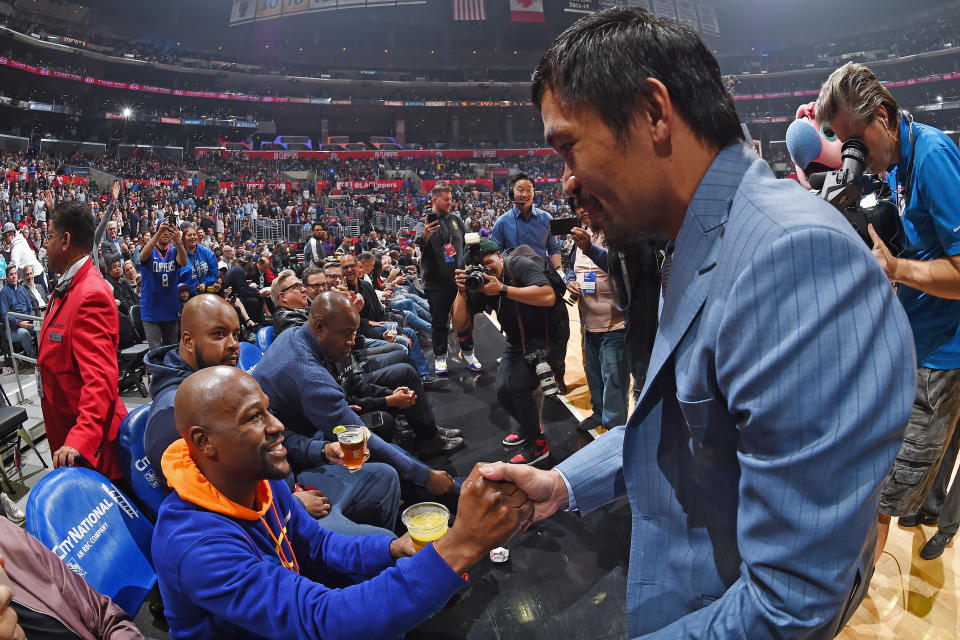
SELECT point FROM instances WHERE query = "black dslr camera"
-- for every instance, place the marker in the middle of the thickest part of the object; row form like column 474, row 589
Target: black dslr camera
column 476, row 273
column 844, row 188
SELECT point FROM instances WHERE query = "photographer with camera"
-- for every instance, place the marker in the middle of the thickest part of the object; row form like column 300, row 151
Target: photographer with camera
column 440, row 238
column 923, row 168
column 521, row 308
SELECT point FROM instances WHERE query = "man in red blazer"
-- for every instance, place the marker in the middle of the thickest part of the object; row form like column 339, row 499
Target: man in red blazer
column 77, row 357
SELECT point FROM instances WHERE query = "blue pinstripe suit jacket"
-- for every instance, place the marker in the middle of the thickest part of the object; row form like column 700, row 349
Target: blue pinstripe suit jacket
column 777, row 395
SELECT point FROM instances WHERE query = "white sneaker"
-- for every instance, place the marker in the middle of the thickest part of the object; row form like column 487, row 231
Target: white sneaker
column 472, row 363
column 439, row 364
column 11, row 509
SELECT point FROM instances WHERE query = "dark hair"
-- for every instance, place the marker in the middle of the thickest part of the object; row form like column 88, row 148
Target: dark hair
column 603, row 61
column 518, row 177
column 364, row 256
column 317, row 224
column 75, row 218
column 309, row 271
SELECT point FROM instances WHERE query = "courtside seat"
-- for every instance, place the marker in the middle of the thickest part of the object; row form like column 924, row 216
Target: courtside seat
column 249, row 356
column 82, row 517
column 264, row 338
column 134, row 463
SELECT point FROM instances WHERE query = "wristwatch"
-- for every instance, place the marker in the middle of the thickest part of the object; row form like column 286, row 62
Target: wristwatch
column 503, row 290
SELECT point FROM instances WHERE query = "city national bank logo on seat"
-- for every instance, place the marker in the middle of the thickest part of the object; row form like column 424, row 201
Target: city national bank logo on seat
column 84, row 535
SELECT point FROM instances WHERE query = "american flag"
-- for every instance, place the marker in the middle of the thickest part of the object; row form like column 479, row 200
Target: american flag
column 469, row 9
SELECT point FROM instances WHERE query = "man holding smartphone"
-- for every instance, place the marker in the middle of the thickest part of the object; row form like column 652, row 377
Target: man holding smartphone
column 161, row 259
column 440, row 238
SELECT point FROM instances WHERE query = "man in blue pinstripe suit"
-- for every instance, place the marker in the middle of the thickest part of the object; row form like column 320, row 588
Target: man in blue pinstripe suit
column 782, row 374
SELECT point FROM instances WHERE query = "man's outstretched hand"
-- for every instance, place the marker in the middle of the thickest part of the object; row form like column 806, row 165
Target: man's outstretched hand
column 546, row 489
column 488, row 514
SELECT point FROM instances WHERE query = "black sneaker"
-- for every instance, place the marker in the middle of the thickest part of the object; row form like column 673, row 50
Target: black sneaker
column 531, row 455
column 440, row 444
column 935, row 545
column 448, row 433
column 917, row 519
column 433, row 382
column 514, row 440
column 587, row 424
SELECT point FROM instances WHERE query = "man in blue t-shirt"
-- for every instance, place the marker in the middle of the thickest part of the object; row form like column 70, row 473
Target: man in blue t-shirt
column 923, row 169
column 526, row 224
column 160, row 261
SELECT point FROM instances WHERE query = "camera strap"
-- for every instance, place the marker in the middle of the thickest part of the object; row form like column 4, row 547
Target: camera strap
column 507, row 263
column 903, row 199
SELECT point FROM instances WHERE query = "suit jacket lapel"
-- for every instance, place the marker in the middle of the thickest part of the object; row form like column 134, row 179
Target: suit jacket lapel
column 695, row 257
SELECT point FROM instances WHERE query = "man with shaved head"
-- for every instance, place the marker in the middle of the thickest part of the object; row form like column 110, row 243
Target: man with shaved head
column 237, row 557
column 361, row 502
column 299, row 373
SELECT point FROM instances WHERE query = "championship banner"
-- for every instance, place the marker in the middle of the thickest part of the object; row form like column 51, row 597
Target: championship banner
column 526, row 10
column 428, row 185
column 708, row 20
column 664, row 8
column 247, row 11
column 687, row 13
column 591, row 6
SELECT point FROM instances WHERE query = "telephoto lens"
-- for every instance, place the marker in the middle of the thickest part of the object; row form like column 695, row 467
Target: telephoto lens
column 548, row 384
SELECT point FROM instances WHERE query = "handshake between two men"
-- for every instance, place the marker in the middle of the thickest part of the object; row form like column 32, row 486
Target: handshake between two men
column 497, row 502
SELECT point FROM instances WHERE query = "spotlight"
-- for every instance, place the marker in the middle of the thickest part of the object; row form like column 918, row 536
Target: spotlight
column 127, row 112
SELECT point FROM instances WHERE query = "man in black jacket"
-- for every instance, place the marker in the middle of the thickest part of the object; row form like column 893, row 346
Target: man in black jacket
column 374, row 315
column 290, row 299
column 441, row 254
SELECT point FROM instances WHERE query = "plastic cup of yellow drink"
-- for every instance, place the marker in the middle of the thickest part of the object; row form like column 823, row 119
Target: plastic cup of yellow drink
column 426, row 522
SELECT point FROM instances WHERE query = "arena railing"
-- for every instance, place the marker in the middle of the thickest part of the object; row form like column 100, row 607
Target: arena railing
column 16, row 357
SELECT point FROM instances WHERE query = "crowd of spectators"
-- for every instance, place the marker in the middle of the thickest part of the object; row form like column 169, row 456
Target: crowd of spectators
column 234, row 225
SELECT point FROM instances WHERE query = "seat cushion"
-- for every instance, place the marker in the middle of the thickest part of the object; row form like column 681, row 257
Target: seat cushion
column 10, row 420
column 137, row 351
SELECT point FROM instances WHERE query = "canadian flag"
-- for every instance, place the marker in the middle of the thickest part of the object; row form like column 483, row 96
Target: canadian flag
column 526, row 10
column 469, row 9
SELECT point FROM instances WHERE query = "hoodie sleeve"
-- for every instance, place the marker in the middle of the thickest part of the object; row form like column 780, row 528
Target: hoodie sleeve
column 269, row 600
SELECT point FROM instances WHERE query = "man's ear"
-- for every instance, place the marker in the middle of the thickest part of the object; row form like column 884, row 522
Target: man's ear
column 659, row 111
column 197, row 436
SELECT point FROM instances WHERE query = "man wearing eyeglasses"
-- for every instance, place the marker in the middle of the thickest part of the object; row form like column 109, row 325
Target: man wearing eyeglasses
column 290, row 299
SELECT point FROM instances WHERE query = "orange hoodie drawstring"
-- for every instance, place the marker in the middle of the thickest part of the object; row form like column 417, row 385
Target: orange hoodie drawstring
column 291, row 565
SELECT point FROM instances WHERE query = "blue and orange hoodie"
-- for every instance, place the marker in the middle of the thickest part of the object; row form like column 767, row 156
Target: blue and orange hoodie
column 229, row 571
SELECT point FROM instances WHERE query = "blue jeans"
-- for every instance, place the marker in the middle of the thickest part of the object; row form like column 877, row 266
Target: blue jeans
column 366, row 501
column 415, row 352
column 408, row 307
column 408, row 293
column 608, row 376
column 25, row 338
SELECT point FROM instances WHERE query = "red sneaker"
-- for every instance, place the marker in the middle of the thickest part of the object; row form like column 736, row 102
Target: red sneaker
column 531, row 455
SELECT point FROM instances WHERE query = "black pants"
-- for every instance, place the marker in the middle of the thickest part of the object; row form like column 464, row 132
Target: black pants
column 441, row 301
column 516, row 383
column 420, row 415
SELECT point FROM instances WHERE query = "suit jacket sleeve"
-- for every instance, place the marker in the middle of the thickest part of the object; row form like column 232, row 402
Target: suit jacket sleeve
column 96, row 334
column 814, row 359
column 595, row 472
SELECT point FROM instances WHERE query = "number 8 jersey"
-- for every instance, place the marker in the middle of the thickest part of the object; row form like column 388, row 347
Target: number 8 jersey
column 160, row 276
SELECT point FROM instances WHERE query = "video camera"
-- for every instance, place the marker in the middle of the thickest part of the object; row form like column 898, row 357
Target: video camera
column 844, row 189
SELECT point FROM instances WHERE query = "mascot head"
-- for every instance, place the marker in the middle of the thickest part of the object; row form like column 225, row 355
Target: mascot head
column 813, row 148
